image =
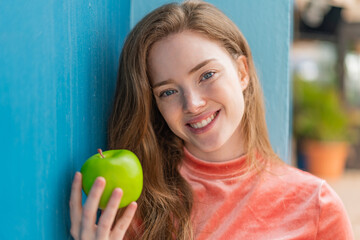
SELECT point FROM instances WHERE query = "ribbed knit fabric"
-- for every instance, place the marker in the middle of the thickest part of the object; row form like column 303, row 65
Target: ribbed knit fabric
column 281, row 202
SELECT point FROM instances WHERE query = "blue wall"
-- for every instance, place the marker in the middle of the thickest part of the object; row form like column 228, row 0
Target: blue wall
column 58, row 63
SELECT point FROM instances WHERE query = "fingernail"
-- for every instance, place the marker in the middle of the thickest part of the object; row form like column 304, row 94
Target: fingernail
column 77, row 175
column 119, row 190
column 98, row 180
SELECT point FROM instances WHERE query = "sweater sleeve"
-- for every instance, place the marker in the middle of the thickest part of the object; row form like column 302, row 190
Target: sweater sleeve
column 333, row 220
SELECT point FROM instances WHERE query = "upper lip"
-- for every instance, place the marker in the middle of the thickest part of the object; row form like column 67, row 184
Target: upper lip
column 201, row 117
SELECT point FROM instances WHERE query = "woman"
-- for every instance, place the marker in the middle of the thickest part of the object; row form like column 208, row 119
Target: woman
column 188, row 102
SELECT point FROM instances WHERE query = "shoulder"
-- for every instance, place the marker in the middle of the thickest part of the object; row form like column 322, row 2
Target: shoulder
column 306, row 192
column 292, row 180
column 333, row 220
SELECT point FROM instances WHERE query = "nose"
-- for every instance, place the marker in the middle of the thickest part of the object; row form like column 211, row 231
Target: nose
column 193, row 101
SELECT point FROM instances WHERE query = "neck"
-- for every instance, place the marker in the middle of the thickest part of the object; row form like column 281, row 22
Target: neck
column 224, row 153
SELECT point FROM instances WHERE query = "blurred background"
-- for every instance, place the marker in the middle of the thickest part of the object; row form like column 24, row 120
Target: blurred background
column 325, row 69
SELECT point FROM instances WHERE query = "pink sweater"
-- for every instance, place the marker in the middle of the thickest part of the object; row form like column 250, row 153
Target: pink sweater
column 280, row 203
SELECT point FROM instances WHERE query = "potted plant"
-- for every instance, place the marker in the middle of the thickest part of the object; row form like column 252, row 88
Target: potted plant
column 321, row 127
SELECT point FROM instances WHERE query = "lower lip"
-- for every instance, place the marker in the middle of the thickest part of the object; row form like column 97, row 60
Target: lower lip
column 206, row 128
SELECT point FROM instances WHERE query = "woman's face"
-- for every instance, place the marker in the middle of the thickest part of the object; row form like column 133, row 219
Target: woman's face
column 198, row 89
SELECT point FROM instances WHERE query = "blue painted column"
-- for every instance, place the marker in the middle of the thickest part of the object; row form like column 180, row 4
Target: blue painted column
column 58, row 66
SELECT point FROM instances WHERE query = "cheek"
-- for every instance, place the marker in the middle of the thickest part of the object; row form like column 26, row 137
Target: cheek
column 226, row 91
column 239, row 103
column 230, row 95
column 240, row 106
column 171, row 113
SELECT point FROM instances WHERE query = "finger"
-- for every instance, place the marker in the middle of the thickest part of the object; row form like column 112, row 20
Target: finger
column 92, row 204
column 107, row 218
column 75, row 205
column 124, row 222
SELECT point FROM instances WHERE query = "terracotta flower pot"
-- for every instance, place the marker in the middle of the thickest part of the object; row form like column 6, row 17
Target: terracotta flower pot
column 325, row 159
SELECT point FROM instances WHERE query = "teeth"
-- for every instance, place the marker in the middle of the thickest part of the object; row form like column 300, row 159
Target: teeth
column 204, row 122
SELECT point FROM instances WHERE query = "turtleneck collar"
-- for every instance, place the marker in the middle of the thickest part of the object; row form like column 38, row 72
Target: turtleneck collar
column 215, row 170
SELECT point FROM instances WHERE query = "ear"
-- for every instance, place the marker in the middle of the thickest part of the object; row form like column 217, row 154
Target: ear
column 243, row 71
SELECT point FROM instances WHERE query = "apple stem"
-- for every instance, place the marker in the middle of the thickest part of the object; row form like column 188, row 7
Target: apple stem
column 100, row 152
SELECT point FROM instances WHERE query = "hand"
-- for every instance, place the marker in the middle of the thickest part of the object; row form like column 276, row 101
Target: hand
column 83, row 219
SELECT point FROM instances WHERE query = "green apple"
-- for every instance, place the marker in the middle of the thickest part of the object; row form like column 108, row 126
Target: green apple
column 120, row 168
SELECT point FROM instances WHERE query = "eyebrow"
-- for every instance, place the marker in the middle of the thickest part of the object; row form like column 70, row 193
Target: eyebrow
column 200, row 65
column 194, row 69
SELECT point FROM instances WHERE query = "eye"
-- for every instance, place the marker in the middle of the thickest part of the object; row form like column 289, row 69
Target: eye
column 207, row 75
column 167, row 93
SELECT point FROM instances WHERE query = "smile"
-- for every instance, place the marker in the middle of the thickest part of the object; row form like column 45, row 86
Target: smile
column 204, row 122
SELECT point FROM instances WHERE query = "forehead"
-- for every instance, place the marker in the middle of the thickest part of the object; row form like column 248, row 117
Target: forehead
column 180, row 52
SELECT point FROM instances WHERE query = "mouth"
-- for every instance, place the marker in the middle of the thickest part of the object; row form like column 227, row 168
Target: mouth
column 205, row 122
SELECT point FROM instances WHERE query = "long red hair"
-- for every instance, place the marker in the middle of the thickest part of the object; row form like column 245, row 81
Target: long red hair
column 136, row 124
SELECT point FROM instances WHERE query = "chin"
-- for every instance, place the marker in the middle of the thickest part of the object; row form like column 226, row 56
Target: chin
column 208, row 148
